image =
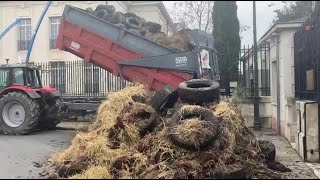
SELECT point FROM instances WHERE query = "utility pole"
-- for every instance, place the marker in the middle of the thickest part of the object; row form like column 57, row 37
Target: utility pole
column 256, row 121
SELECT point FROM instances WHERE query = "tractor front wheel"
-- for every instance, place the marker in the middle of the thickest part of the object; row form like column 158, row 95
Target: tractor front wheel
column 19, row 114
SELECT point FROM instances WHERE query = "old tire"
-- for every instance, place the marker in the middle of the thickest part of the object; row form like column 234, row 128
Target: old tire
column 143, row 116
column 153, row 27
column 198, row 91
column 55, row 108
column 19, row 113
column 268, row 150
column 90, row 10
column 204, row 114
column 130, row 14
column 102, row 14
column 109, row 8
column 117, row 18
column 165, row 98
column 133, row 23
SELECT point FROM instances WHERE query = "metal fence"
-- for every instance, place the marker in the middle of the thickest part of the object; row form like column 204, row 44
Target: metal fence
column 246, row 70
column 307, row 64
column 80, row 80
column 307, row 58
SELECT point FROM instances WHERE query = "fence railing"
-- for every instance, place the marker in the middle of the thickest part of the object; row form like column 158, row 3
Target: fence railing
column 246, row 70
column 78, row 79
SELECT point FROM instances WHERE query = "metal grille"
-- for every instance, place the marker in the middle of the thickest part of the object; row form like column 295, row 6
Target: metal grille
column 78, row 79
column 306, row 58
column 246, row 70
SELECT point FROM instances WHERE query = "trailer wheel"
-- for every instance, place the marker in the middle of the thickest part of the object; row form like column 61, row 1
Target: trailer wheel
column 268, row 150
column 134, row 23
column 198, row 91
column 102, row 14
column 182, row 115
column 19, row 113
column 165, row 98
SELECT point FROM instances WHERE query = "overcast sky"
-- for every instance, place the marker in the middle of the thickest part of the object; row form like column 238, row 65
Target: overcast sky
column 264, row 17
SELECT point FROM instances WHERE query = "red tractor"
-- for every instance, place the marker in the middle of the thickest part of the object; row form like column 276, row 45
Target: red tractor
column 25, row 104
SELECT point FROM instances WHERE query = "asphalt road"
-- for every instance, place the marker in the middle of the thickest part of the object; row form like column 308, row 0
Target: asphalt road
column 23, row 156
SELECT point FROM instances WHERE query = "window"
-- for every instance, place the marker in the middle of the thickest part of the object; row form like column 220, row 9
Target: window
column 18, row 76
column 54, row 30
column 24, row 34
column 58, row 75
column 3, row 78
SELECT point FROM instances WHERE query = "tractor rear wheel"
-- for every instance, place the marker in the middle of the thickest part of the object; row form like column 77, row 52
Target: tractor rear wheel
column 19, row 114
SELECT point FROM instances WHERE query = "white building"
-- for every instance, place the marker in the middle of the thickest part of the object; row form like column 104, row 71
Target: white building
column 14, row 44
column 277, row 111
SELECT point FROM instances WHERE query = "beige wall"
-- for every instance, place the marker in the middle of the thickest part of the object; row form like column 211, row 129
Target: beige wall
column 10, row 10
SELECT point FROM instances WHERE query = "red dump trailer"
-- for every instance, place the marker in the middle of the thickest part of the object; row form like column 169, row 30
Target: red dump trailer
column 134, row 57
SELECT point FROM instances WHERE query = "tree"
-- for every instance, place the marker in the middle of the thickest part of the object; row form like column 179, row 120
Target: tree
column 194, row 14
column 226, row 33
column 292, row 10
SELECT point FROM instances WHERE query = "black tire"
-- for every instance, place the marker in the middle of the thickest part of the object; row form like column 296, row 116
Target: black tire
column 90, row 10
column 144, row 117
column 165, row 98
column 102, row 14
column 205, row 114
column 130, row 14
column 153, row 27
column 55, row 107
column 133, row 23
column 134, row 31
column 268, row 150
column 198, row 91
column 109, row 8
column 32, row 113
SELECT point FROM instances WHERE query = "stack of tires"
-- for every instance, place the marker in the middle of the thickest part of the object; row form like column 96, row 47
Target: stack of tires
column 199, row 92
column 128, row 21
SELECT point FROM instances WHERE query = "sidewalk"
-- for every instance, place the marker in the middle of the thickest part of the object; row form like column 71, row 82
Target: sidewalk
column 288, row 156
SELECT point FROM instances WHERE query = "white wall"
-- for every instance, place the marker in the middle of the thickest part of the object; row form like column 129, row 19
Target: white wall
column 33, row 9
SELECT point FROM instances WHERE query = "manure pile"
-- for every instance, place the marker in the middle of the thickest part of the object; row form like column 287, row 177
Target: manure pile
column 122, row 143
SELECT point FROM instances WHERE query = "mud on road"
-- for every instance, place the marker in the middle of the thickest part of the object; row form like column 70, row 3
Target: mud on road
column 26, row 156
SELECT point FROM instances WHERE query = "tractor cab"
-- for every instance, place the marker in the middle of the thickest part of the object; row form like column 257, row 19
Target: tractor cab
column 20, row 75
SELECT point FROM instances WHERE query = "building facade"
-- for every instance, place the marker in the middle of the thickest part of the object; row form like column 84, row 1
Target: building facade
column 66, row 71
column 276, row 72
column 14, row 44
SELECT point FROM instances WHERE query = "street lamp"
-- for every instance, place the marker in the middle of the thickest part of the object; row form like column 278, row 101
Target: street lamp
column 256, row 121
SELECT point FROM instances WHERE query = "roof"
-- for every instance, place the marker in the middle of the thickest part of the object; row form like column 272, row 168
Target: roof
column 278, row 26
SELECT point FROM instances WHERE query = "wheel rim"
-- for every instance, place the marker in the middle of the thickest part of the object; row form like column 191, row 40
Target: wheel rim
column 13, row 114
